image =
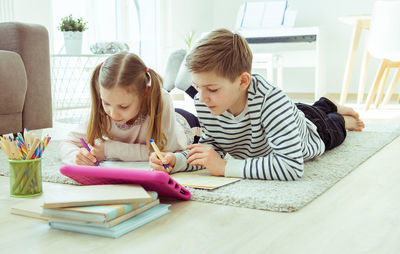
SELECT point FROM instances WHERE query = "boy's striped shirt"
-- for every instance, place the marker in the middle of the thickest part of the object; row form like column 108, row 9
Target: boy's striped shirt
column 270, row 139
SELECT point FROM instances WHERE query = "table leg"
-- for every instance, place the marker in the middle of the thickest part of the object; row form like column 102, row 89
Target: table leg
column 350, row 61
column 363, row 76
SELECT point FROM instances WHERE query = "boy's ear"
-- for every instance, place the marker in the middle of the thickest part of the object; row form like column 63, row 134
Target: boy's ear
column 245, row 79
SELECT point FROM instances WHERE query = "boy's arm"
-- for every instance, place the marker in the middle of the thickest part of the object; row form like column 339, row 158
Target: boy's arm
column 181, row 160
column 285, row 160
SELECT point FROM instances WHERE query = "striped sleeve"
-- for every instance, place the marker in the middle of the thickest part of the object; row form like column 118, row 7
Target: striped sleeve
column 181, row 160
column 285, row 160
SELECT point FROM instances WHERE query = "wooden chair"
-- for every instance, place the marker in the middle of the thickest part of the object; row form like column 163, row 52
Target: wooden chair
column 384, row 43
column 359, row 23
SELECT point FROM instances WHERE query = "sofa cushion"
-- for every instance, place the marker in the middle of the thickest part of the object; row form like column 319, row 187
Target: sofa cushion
column 171, row 70
column 31, row 42
column 13, row 83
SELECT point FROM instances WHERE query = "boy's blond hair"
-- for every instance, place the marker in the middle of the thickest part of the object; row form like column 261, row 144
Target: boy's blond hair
column 222, row 51
column 128, row 71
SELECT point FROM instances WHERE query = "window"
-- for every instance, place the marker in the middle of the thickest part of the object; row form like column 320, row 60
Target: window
column 129, row 21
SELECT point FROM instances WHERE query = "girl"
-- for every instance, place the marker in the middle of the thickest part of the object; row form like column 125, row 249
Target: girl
column 129, row 107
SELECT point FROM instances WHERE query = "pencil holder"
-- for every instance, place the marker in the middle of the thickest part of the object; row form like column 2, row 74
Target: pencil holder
column 25, row 177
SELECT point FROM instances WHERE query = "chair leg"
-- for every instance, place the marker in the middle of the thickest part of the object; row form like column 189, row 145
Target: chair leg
column 391, row 87
column 376, row 83
column 382, row 87
column 363, row 76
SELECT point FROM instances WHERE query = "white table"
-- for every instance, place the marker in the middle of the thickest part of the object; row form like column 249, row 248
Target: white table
column 290, row 35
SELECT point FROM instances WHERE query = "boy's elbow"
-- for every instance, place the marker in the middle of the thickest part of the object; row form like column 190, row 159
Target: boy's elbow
column 297, row 173
column 297, row 176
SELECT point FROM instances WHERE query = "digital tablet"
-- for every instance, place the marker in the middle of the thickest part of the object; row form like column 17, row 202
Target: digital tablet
column 158, row 181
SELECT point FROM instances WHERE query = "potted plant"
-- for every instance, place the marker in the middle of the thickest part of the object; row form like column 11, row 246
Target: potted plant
column 72, row 30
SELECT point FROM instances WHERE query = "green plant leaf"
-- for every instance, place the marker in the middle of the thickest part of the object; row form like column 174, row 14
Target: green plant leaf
column 68, row 23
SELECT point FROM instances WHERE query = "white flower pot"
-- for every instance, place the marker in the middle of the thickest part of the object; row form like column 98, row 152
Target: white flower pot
column 73, row 43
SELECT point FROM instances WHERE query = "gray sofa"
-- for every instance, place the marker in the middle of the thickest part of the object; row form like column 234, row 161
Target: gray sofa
column 25, row 86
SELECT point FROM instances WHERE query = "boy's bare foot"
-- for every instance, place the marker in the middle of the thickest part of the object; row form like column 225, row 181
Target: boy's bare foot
column 353, row 124
column 347, row 111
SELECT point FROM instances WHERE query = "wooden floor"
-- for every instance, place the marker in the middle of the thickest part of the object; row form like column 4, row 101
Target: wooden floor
column 359, row 214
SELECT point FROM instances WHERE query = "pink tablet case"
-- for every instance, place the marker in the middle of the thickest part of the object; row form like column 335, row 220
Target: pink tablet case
column 157, row 181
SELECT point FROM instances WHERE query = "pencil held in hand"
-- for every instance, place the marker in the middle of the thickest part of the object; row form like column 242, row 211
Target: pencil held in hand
column 158, row 152
column 97, row 163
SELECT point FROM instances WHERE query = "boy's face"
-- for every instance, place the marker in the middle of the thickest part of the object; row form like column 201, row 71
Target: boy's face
column 220, row 94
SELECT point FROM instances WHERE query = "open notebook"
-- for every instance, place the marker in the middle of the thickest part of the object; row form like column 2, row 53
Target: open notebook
column 202, row 179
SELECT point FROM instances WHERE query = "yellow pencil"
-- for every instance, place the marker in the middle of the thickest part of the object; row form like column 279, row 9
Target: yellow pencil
column 5, row 147
column 33, row 148
column 158, row 152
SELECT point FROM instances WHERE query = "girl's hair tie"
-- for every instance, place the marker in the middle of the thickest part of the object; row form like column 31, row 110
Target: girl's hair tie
column 147, row 69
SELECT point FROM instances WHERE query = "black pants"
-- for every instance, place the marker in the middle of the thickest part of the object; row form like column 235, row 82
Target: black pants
column 330, row 124
column 192, row 120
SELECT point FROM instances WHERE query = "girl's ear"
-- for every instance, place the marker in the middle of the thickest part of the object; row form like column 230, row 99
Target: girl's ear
column 245, row 79
column 146, row 91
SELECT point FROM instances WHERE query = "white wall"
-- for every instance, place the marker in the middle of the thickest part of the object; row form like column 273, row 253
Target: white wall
column 32, row 11
column 179, row 17
column 201, row 16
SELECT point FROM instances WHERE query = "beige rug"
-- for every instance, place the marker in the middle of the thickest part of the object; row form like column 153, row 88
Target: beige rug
column 320, row 174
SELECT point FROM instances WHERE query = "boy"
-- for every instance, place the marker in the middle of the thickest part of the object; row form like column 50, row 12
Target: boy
column 268, row 136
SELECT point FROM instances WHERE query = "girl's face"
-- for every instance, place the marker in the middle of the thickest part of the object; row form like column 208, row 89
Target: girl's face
column 119, row 104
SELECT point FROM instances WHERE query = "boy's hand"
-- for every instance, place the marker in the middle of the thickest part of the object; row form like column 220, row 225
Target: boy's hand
column 84, row 157
column 207, row 157
column 157, row 164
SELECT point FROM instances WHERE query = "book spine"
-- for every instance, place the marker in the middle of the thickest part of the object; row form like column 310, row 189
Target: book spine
column 120, row 229
column 96, row 214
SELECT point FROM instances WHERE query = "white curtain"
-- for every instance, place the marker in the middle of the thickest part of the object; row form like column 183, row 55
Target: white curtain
column 6, row 10
column 116, row 20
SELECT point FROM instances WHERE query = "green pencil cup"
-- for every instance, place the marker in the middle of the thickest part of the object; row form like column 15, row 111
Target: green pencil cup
column 25, row 178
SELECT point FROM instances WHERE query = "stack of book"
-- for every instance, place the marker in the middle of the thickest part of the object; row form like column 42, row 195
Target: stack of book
column 105, row 210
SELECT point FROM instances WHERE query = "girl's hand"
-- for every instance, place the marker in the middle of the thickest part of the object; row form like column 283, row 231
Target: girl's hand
column 84, row 157
column 207, row 157
column 157, row 164
column 98, row 151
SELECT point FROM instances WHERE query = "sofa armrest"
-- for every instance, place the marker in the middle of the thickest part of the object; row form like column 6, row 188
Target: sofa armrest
column 31, row 42
column 13, row 90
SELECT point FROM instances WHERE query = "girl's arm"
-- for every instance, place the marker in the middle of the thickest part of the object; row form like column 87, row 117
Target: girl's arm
column 69, row 147
column 174, row 132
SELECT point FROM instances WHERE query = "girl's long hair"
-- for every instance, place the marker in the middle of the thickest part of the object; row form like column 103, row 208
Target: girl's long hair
column 126, row 70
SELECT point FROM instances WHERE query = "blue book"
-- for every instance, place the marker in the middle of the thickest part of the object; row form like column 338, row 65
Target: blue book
column 117, row 230
column 107, row 224
column 102, row 213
